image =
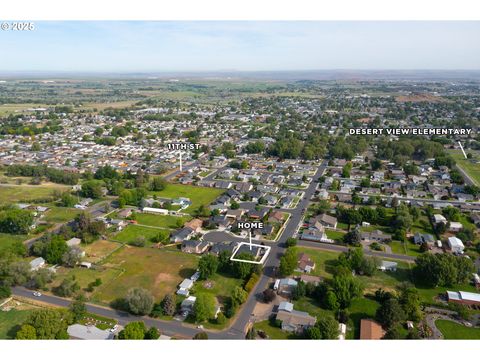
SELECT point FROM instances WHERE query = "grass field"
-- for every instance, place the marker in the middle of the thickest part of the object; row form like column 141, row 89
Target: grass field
column 197, row 195
column 132, row 232
column 98, row 250
column 165, row 221
column 325, row 262
column 218, row 285
column 468, row 165
column 10, row 321
column 273, row 332
column 18, row 108
column 85, row 276
column 25, row 193
column 61, row 214
column 334, row 235
column 8, row 239
column 159, row 271
column 454, row 331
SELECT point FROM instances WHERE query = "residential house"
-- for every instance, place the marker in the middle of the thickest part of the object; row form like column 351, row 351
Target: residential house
column 184, row 287
column 286, row 286
column 315, row 234
column 182, row 234
column 375, row 236
column 327, row 221
column 455, row 226
column 420, row 238
column 370, row 330
column 194, row 224
column 455, row 245
column 88, row 332
column 304, row 263
column 194, row 246
column 294, row 320
column 464, row 298
column 387, row 266
column 37, row 263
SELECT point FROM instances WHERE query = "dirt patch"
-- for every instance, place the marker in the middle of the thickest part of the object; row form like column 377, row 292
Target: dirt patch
column 208, row 284
column 163, row 277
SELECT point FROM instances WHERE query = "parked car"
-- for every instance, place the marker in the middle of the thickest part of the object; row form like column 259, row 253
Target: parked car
column 37, row 294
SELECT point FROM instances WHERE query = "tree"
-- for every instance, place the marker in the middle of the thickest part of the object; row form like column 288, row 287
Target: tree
column 201, row 336
column 67, row 200
column 169, row 305
column 72, row 256
column 15, row 221
column 26, row 332
column 239, row 295
column 353, row 237
column 5, row 292
column 204, row 307
column 92, row 189
column 54, row 250
column 133, row 331
column 410, row 301
column 68, row 287
column 207, row 266
column 139, row 301
column 152, row 334
column 328, row 327
column 288, row 262
column 47, row 323
column 269, row 295
column 313, row 333
column 243, row 270
column 390, row 313
column 291, row 242
column 78, row 308
column 346, row 288
column 158, row 184
column 442, row 269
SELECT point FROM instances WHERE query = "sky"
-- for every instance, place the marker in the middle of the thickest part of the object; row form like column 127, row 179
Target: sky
column 114, row 46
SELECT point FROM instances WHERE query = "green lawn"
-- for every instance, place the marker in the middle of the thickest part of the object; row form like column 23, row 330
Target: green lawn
column 27, row 193
column 85, row 276
column 273, row 332
column 165, row 221
column 8, row 239
column 157, row 270
column 326, row 261
column 452, row 330
column 132, row 232
column 468, row 165
column 197, row 195
column 61, row 214
column 10, row 321
column 334, row 235
column 220, row 286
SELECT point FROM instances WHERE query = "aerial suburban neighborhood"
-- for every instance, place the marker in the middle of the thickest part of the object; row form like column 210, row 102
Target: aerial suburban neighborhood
column 275, row 216
column 176, row 181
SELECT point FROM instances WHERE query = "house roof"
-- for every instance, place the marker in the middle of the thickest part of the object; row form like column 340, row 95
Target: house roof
column 370, row 330
column 84, row 332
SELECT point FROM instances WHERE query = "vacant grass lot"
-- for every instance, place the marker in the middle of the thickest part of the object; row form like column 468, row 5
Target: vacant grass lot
column 325, row 263
column 25, row 193
column 98, row 250
column 132, row 232
column 165, row 221
column 58, row 214
column 158, row 270
column 197, row 195
column 10, row 321
column 468, row 165
column 218, row 285
column 85, row 276
column 454, row 331
column 8, row 239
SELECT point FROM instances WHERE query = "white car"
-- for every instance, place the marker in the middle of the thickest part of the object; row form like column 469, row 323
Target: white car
column 114, row 328
column 37, row 294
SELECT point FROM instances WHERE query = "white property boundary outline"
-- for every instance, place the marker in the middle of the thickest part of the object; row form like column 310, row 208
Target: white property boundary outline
column 262, row 260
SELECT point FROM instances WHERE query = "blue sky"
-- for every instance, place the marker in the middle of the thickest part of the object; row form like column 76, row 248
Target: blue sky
column 113, row 46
